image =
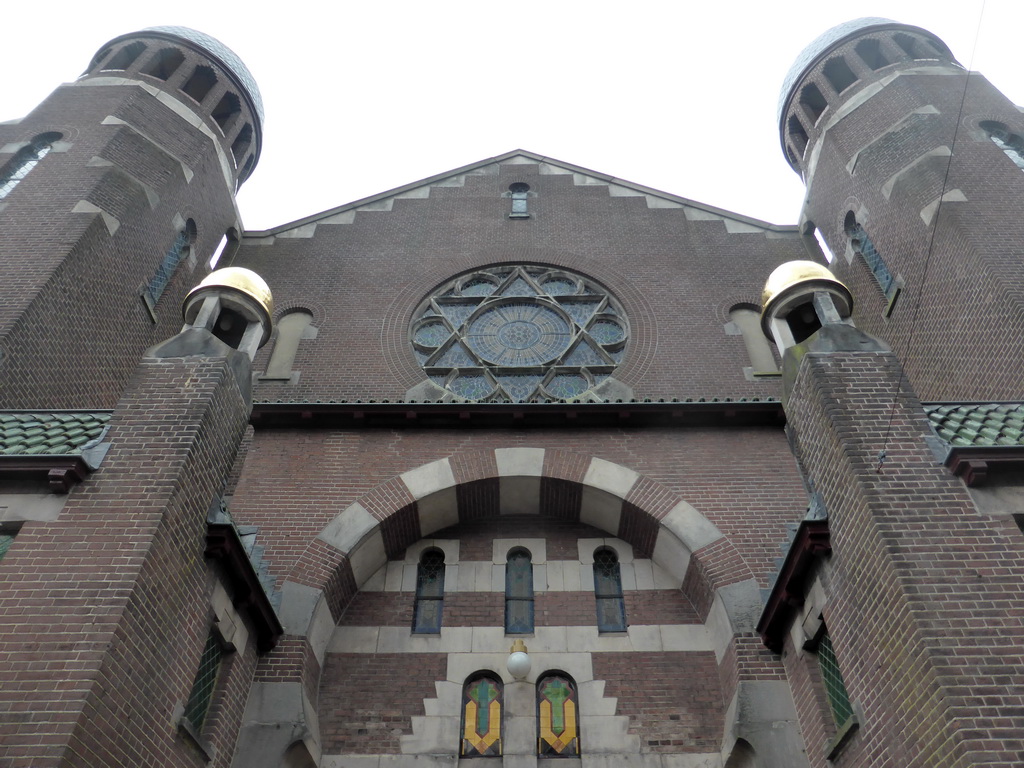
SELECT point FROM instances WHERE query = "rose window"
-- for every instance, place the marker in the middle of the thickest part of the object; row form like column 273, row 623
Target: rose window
column 520, row 334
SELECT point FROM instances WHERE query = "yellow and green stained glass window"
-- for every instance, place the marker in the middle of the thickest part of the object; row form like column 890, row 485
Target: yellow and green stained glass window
column 481, row 717
column 558, row 722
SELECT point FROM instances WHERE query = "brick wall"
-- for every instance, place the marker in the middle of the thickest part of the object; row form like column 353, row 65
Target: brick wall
column 910, row 550
column 676, row 279
column 72, row 285
column 966, row 264
column 744, row 481
column 106, row 610
column 371, row 699
column 673, row 700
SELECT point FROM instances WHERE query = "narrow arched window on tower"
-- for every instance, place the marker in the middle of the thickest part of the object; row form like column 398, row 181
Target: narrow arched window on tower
column 558, row 720
column 429, row 593
column 518, row 593
column 24, row 160
column 862, row 245
column 180, row 249
column 481, row 716
column 519, row 192
column 611, row 609
column 1011, row 144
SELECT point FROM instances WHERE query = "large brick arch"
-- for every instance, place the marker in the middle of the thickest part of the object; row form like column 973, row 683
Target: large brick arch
column 554, row 483
column 470, row 486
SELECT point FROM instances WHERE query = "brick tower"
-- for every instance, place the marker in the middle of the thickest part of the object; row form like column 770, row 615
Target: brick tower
column 896, row 608
column 913, row 173
column 125, row 185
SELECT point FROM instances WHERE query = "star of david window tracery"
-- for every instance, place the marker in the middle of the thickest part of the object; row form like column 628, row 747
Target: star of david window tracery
column 520, row 334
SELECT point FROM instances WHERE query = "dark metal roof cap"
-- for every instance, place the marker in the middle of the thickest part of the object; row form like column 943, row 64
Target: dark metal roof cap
column 216, row 50
column 831, row 39
column 820, row 45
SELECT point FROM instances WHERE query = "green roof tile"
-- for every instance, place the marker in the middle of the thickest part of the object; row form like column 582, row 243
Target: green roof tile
column 978, row 424
column 43, row 433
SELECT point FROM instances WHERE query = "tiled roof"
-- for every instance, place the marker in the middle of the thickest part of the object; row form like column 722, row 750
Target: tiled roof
column 49, row 433
column 978, row 424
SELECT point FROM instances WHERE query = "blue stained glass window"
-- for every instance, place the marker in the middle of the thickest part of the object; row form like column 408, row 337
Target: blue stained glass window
column 862, row 244
column 580, row 311
column 178, row 250
column 24, row 160
column 429, row 593
column 431, row 334
column 518, row 287
column 606, row 332
column 479, row 287
column 517, row 334
column 584, row 354
column 472, row 386
column 457, row 314
column 519, row 388
column 559, row 286
column 455, row 356
column 567, row 385
column 518, row 593
column 611, row 610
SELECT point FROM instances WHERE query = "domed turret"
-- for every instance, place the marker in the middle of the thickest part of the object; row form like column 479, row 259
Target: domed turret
column 200, row 72
column 800, row 297
column 838, row 64
column 235, row 305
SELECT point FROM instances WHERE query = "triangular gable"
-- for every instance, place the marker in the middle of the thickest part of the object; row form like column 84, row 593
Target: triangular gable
column 695, row 211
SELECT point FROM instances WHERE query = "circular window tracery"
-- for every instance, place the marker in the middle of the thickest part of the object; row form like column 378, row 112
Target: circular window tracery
column 520, row 334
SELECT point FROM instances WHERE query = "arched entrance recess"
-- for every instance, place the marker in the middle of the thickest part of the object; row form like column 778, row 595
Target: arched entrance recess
column 470, row 486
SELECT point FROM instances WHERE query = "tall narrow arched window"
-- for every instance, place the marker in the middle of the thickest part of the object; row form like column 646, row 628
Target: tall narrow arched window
column 481, row 716
column 290, row 329
column 24, row 160
column 1011, row 144
column 862, row 245
column 180, row 249
column 747, row 321
column 429, row 593
column 611, row 609
column 518, row 592
column 558, row 718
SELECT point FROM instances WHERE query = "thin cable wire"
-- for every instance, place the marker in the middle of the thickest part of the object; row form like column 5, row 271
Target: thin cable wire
column 882, row 454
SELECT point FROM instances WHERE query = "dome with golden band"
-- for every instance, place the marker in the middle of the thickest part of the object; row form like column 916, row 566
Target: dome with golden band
column 238, row 287
column 801, row 278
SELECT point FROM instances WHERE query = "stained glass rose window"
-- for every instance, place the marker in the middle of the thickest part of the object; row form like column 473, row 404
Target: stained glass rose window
column 520, row 334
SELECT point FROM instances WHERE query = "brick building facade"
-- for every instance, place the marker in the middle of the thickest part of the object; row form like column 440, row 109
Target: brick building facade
column 732, row 520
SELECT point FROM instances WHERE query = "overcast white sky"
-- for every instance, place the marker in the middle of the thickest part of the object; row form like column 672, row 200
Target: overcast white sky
column 365, row 96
